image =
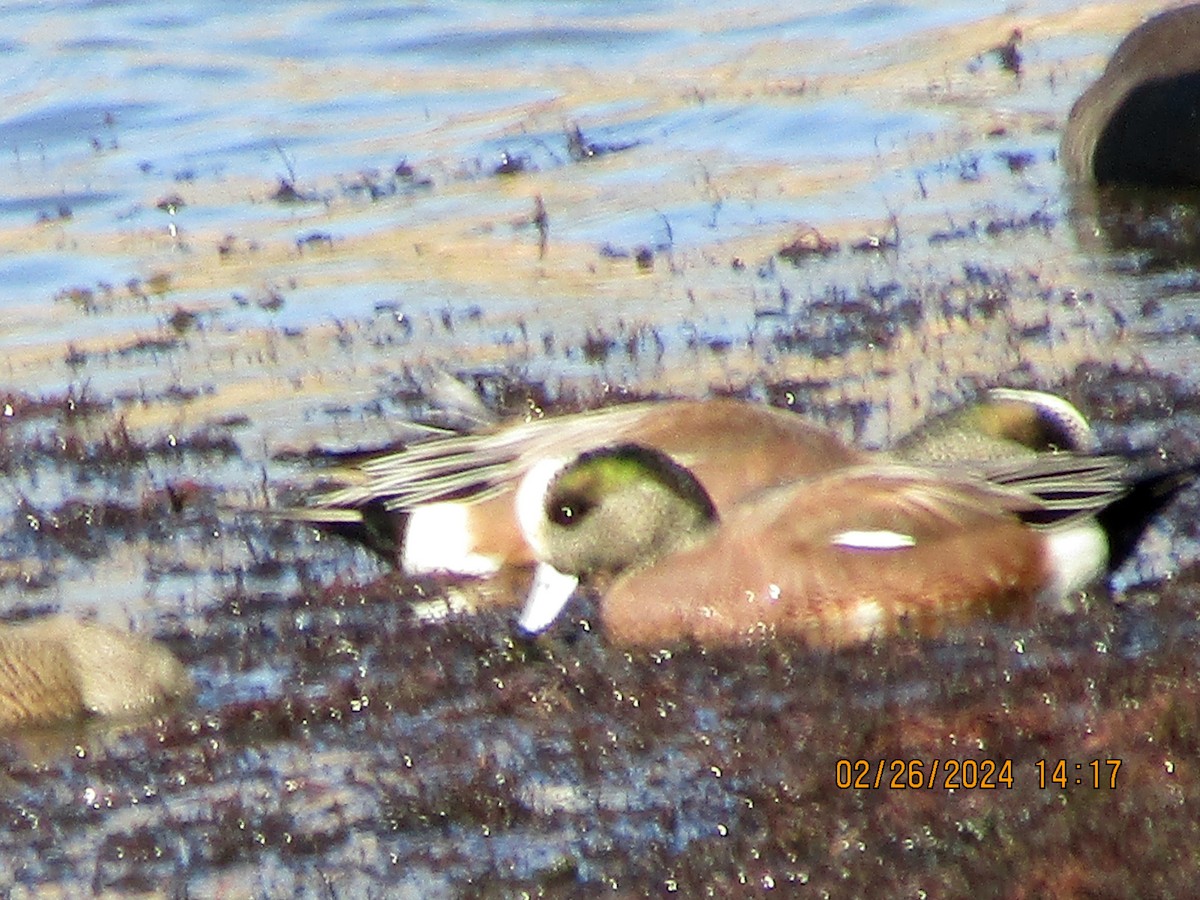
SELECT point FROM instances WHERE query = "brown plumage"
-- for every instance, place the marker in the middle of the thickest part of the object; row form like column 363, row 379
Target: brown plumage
column 732, row 446
column 836, row 558
column 788, row 564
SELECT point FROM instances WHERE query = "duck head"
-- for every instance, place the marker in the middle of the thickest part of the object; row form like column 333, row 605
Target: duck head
column 602, row 513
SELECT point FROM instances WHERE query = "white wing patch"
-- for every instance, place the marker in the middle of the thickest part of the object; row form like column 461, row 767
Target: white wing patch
column 873, row 540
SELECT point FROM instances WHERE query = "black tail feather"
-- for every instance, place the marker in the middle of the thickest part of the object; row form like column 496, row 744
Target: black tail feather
column 1126, row 519
column 378, row 530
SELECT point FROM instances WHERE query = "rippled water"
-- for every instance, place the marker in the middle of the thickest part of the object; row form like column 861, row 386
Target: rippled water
column 111, row 108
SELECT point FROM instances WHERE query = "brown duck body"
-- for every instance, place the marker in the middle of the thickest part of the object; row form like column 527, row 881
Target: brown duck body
column 836, row 560
column 469, row 525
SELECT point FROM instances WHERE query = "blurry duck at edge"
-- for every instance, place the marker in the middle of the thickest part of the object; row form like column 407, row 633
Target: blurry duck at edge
column 55, row 669
column 1139, row 123
column 1131, row 147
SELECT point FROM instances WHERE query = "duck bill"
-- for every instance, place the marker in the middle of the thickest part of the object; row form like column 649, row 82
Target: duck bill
column 550, row 592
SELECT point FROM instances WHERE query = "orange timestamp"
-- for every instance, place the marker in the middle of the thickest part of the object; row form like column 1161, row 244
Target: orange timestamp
column 970, row 774
column 1094, row 773
column 919, row 774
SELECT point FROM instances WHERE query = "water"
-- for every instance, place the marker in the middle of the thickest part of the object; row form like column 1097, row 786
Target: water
column 111, row 107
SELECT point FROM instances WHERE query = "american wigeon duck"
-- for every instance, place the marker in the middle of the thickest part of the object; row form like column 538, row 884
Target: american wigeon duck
column 457, row 491
column 1139, row 123
column 447, row 503
column 56, row 668
column 834, row 558
column 1001, row 423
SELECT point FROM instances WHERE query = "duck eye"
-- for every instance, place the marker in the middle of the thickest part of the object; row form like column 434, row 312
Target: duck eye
column 567, row 512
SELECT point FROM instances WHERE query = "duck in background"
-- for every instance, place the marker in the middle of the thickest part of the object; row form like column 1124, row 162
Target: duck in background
column 1139, row 123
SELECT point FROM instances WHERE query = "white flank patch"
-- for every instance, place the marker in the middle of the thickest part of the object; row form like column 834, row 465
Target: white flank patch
column 530, row 501
column 550, row 592
column 1076, row 556
column 873, row 540
column 438, row 539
